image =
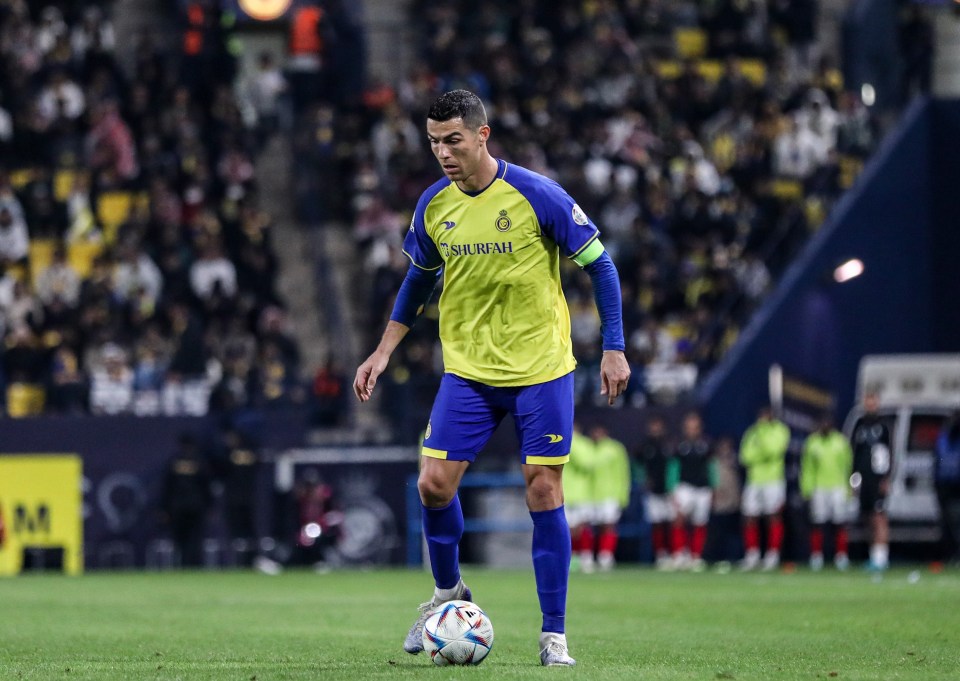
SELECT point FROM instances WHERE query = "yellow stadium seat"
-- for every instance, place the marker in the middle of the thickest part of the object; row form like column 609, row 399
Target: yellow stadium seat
column 690, row 43
column 815, row 212
column 112, row 211
column 19, row 178
column 668, row 69
column 786, row 189
column 850, row 168
column 81, row 255
column 63, row 181
column 753, row 70
column 710, row 69
column 40, row 256
column 25, row 399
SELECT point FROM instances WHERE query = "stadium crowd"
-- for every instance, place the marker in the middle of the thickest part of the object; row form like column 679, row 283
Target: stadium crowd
column 706, row 140
column 137, row 270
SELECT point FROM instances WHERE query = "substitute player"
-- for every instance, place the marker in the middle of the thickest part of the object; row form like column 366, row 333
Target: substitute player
column 577, row 479
column 825, row 466
column 763, row 451
column 652, row 456
column 610, row 491
column 872, row 465
column 497, row 232
column 693, row 494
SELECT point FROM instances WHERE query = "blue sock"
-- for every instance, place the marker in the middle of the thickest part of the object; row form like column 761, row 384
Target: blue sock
column 551, row 565
column 443, row 528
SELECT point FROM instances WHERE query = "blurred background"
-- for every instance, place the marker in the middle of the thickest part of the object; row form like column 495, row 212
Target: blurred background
column 201, row 211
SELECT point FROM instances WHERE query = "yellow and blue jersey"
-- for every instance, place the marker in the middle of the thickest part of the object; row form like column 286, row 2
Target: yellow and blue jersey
column 503, row 318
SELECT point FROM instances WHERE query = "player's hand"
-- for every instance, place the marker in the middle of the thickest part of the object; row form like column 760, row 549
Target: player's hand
column 614, row 374
column 367, row 375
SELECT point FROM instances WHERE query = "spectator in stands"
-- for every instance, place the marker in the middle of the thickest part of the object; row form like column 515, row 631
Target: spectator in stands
column 265, row 89
column 14, row 240
column 111, row 152
column 185, row 389
column 136, row 273
column 62, row 98
column 329, row 394
column 111, row 386
column 797, row 151
column 67, row 389
column 213, row 272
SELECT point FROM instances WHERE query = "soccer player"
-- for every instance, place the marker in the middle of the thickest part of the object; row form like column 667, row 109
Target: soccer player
column 693, row 494
column 497, row 231
column 610, row 490
column 577, row 478
column 825, row 466
column 872, row 465
column 653, row 456
column 763, row 451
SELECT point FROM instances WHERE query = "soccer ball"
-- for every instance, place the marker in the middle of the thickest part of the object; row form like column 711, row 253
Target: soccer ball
column 459, row 632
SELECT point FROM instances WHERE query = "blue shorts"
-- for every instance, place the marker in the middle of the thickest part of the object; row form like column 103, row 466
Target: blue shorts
column 465, row 414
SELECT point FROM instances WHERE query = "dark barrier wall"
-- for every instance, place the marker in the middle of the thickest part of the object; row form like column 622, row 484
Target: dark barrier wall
column 871, row 51
column 124, row 460
column 945, row 173
column 818, row 329
column 903, row 220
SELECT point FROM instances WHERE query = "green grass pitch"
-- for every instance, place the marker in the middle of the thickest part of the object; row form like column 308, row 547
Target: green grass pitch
column 631, row 624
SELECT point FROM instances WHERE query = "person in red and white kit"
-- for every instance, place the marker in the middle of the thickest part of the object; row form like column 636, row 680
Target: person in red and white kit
column 696, row 476
column 825, row 468
column 653, row 457
column 763, row 452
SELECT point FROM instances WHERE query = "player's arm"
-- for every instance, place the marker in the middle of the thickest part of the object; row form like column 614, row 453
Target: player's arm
column 847, row 454
column 807, row 471
column 748, row 448
column 414, row 293
column 614, row 370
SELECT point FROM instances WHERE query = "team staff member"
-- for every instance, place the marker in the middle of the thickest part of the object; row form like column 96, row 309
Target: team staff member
column 497, row 232
column 872, row 465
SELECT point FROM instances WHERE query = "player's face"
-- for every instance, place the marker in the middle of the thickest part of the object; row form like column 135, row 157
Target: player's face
column 458, row 148
column 871, row 403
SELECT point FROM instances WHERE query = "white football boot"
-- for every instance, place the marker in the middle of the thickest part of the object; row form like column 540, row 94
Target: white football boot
column 413, row 643
column 553, row 650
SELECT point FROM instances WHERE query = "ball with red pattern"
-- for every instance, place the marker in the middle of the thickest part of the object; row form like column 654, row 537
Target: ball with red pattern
column 458, row 633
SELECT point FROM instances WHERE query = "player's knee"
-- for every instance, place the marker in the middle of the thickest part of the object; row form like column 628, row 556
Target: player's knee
column 543, row 494
column 435, row 491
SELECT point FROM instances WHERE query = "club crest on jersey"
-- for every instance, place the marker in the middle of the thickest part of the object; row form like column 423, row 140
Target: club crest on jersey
column 503, row 222
column 579, row 216
column 426, row 435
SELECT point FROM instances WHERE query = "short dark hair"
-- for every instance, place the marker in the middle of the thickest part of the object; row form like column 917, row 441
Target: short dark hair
column 459, row 104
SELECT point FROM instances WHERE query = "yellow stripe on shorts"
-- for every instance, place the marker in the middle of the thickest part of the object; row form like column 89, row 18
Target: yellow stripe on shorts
column 547, row 460
column 435, row 453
